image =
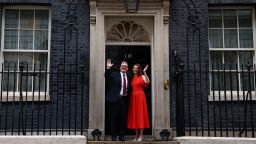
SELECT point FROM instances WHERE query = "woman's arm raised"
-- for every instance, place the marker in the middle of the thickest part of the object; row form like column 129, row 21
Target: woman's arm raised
column 145, row 76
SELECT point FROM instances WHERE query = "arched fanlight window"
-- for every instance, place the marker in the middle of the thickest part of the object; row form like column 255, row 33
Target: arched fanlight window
column 127, row 31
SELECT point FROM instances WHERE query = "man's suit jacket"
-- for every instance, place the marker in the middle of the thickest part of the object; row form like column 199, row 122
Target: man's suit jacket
column 113, row 85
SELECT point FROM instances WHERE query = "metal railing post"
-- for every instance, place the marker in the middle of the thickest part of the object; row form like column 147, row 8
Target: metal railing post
column 178, row 77
column 21, row 111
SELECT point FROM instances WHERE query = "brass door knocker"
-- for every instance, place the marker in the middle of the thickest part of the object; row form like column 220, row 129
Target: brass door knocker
column 166, row 85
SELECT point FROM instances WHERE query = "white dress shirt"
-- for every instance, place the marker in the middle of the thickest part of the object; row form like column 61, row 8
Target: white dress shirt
column 122, row 83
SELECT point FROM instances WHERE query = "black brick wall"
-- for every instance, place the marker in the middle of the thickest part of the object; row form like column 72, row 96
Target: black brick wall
column 178, row 42
column 226, row 113
column 232, row 2
column 58, row 9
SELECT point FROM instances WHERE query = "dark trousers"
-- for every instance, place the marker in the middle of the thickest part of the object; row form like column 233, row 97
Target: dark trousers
column 118, row 120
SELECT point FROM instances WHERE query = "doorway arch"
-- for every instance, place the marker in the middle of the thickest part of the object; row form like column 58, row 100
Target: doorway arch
column 127, row 31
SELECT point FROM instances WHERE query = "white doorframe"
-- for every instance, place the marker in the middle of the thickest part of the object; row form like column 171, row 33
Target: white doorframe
column 159, row 61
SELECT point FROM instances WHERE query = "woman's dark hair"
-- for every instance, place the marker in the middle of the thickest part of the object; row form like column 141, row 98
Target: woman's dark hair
column 140, row 69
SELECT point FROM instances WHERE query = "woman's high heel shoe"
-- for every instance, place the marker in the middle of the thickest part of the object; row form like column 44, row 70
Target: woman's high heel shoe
column 140, row 139
column 135, row 139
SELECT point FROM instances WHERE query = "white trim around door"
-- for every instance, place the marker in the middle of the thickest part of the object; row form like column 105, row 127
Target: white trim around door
column 159, row 60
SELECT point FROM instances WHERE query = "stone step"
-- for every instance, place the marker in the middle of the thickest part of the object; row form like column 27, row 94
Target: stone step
column 131, row 142
column 147, row 140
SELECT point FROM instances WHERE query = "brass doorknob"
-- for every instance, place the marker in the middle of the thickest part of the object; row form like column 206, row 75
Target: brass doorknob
column 166, row 84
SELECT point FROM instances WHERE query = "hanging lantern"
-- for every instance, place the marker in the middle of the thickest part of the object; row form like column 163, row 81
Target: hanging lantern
column 131, row 6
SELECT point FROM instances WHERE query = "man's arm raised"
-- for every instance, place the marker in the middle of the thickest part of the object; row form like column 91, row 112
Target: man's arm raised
column 108, row 70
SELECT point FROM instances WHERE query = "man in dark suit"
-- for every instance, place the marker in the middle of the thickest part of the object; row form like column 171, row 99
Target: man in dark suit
column 118, row 91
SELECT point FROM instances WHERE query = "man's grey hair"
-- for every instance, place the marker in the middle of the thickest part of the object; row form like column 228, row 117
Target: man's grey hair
column 124, row 63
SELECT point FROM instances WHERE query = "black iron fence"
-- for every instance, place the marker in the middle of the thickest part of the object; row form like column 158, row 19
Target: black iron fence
column 36, row 101
column 215, row 100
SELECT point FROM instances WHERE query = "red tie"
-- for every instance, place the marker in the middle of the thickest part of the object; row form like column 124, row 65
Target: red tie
column 124, row 85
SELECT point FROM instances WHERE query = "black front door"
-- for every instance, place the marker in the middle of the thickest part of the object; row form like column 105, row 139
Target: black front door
column 133, row 55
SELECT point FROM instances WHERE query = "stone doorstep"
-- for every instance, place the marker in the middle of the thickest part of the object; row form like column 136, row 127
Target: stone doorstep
column 147, row 140
column 131, row 142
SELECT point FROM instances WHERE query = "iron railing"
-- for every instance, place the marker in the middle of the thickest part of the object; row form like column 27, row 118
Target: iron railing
column 42, row 102
column 215, row 100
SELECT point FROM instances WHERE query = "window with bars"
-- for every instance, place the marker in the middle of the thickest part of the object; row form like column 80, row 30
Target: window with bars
column 26, row 37
column 231, row 46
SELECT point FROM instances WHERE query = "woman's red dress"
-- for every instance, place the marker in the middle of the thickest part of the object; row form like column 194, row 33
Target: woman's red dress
column 138, row 111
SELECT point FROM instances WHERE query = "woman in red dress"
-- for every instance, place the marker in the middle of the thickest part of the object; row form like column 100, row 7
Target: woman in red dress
column 138, row 111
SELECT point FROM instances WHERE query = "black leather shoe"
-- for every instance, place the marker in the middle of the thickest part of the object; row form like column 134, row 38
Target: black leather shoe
column 113, row 138
column 121, row 138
